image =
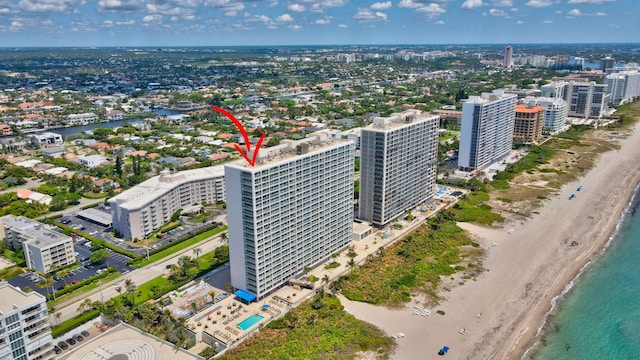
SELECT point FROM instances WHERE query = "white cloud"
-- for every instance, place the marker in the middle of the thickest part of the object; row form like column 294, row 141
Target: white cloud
column 284, row 18
column 497, row 12
column 432, row 10
column 519, row 22
column 439, row 22
column 514, row 9
column 472, row 4
column 589, row 1
column 50, row 6
column 558, row 12
column 409, row 4
column 366, row 15
column 381, row 5
column 296, row 7
column 343, row 26
column 502, row 3
column 152, row 19
column 325, row 21
column 126, row 22
column 548, row 22
column 295, row 27
column 225, row 5
column 539, row 3
column 272, row 4
column 107, row 23
column 575, row 13
column 119, row 5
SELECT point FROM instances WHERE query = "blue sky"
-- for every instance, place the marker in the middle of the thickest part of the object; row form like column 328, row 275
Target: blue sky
column 314, row 22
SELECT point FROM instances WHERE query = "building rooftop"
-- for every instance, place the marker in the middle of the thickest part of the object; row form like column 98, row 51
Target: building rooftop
column 528, row 109
column 12, row 298
column 289, row 149
column 40, row 234
column 151, row 189
column 399, row 120
column 126, row 342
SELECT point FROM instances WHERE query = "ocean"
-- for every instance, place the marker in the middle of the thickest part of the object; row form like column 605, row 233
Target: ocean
column 599, row 317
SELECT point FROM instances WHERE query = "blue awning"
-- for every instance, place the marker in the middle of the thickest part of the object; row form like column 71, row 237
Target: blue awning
column 245, row 296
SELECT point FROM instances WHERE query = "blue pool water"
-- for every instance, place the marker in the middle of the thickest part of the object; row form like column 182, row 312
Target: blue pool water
column 250, row 321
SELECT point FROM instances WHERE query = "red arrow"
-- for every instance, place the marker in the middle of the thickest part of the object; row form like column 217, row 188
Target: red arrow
column 251, row 161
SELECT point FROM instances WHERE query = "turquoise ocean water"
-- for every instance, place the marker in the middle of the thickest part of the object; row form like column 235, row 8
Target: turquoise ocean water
column 599, row 318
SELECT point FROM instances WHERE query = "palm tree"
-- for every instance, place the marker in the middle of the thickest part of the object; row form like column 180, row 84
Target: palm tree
column 351, row 263
column 196, row 252
column 86, row 304
column 325, row 281
column 131, row 288
column 224, row 237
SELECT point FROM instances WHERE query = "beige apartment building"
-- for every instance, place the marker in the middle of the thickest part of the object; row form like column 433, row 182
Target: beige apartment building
column 44, row 248
column 529, row 122
column 147, row 206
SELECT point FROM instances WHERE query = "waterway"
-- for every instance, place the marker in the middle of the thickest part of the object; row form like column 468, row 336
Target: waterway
column 77, row 130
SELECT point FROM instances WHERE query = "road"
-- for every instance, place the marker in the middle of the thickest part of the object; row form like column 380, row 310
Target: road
column 107, row 291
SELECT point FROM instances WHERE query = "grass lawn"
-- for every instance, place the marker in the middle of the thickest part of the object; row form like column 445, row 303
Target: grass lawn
column 180, row 246
column 82, row 290
column 413, row 264
column 473, row 208
column 317, row 329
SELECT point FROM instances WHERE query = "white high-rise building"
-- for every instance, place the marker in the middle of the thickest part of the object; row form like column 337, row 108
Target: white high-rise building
column 623, row 86
column 555, row 113
column 25, row 332
column 585, row 99
column 398, row 160
column 290, row 211
column 486, row 134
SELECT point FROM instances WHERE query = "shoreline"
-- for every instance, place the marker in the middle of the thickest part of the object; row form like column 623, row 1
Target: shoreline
column 557, row 300
column 529, row 264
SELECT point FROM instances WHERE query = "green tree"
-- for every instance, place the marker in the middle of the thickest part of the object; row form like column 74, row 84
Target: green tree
column 118, row 166
column 99, row 256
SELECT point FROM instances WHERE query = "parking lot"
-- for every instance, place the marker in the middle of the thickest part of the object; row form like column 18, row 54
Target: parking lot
column 87, row 269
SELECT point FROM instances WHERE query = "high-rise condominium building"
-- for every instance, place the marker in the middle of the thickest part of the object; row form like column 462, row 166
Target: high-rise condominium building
column 584, row 99
column 25, row 332
column 555, row 113
column 292, row 210
column 398, row 162
column 147, row 206
column 508, row 57
column 44, row 249
column 623, row 86
column 486, row 134
column 528, row 125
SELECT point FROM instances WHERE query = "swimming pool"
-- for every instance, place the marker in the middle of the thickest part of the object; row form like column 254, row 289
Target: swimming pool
column 250, row 321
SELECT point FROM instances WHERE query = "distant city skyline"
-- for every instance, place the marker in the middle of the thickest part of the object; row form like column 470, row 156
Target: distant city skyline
column 41, row 23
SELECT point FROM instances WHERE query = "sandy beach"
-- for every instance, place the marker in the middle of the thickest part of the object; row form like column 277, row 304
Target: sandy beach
column 528, row 263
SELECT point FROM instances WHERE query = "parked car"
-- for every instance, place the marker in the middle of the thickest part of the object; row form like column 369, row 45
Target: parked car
column 71, row 341
column 85, row 333
column 78, row 337
column 63, row 345
column 57, row 350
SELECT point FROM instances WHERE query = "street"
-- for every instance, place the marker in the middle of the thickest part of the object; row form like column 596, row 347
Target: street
column 139, row 276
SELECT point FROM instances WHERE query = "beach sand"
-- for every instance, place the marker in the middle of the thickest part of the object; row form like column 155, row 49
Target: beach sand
column 529, row 264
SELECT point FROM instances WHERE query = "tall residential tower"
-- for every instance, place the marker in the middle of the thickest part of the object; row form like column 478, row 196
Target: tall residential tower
column 486, row 134
column 398, row 162
column 290, row 211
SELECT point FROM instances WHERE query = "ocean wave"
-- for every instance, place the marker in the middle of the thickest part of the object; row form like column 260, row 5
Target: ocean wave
column 628, row 209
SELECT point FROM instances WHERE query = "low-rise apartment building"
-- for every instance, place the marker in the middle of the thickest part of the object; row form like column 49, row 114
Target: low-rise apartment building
column 44, row 249
column 147, row 206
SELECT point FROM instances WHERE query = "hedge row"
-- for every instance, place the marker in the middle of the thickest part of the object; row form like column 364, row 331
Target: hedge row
column 91, row 238
column 176, row 242
column 74, row 322
column 70, row 288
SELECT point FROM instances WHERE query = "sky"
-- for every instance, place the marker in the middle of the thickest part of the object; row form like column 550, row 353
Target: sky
column 40, row 23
